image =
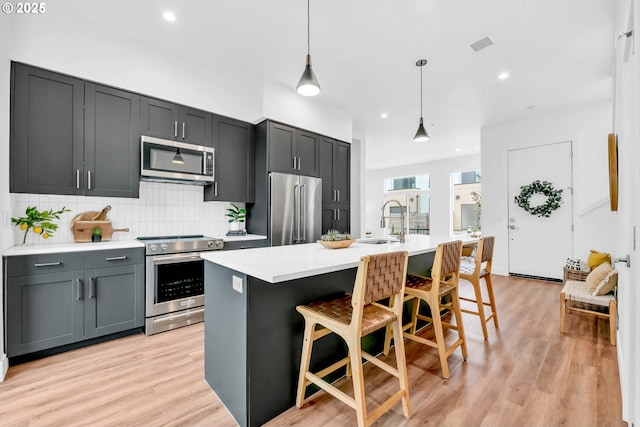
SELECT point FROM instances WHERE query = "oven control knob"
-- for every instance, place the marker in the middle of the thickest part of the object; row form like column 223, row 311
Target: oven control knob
column 213, row 244
column 153, row 247
column 164, row 246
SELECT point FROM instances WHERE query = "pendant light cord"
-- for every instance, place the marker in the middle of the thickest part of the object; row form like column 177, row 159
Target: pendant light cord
column 421, row 67
column 308, row 29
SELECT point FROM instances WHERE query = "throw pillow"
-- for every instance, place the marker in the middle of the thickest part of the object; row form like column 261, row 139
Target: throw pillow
column 596, row 258
column 573, row 264
column 602, row 280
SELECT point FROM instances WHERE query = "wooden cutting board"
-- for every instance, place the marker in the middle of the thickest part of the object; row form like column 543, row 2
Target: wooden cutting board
column 82, row 230
column 91, row 216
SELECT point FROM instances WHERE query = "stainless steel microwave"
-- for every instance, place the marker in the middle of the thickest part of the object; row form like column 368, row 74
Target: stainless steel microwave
column 171, row 161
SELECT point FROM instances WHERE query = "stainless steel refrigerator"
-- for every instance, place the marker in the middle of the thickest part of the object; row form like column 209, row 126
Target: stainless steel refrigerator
column 295, row 209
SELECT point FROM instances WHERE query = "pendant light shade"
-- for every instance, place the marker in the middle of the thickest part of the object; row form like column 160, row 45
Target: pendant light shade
column 421, row 134
column 308, row 84
column 178, row 157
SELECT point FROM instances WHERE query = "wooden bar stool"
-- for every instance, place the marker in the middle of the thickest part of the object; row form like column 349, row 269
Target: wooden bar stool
column 473, row 273
column 352, row 317
column 443, row 282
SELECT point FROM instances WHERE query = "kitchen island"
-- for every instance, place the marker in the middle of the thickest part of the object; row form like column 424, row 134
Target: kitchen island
column 253, row 334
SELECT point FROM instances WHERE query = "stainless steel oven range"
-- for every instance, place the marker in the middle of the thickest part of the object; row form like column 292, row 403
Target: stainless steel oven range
column 174, row 276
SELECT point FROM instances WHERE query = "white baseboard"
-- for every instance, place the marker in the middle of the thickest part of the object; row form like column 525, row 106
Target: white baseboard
column 4, row 366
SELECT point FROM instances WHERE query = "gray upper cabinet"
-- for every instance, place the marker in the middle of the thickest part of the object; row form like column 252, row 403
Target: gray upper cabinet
column 335, row 174
column 233, row 141
column 46, row 132
column 162, row 119
column 111, row 147
column 292, row 150
column 72, row 137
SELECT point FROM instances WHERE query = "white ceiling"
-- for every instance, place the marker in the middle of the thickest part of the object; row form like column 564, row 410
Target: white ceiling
column 558, row 54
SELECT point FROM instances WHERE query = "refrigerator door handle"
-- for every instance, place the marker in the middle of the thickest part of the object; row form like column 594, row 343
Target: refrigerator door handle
column 296, row 213
column 303, row 211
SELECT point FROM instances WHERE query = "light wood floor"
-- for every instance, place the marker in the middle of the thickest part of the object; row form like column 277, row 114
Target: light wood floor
column 526, row 374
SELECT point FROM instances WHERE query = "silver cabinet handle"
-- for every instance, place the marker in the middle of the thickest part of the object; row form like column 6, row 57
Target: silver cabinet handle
column 335, row 196
column 92, row 287
column 215, row 188
column 116, row 258
column 78, row 289
column 338, row 195
column 334, row 215
column 338, row 211
column 246, row 247
column 175, row 129
column 78, row 179
column 88, row 180
column 47, row 264
column 299, row 163
column 303, row 210
column 183, row 128
column 294, row 162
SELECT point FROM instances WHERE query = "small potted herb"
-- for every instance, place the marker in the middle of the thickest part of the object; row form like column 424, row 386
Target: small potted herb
column 236, row 217
column 96, row 234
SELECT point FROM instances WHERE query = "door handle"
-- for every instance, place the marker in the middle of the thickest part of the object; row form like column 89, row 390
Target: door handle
column 303, row 212
column 78, row 289
column 92, row 287
column 299, row 162
column 626, row 260
column 47, row 264
column 294, row 163
column 338, row 195
column 175, row 129
column 512, row 227
column 296, row 212
column 183, row 129
column 77, row 179
column 116, row 258
column 88, row 180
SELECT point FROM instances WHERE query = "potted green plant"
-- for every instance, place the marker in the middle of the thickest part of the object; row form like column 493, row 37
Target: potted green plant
column 96, row 234
column 40, row 222
column 236, row 217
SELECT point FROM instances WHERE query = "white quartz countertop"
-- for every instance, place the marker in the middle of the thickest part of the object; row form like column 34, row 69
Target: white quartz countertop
column 281, row 263
column 242, row 238
column 71, row 247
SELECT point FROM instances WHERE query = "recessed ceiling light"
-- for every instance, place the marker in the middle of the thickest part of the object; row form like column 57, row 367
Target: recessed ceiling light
column 503, row 76
column 169, row 16
column 384, row 115
column 457, row 149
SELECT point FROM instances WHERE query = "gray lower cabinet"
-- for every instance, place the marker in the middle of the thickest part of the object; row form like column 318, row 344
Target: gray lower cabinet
column 245, row 244
column 58, row 299
column 233, row 142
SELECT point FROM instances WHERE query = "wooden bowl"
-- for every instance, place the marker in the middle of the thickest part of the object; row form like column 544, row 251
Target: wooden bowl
column 336, row 244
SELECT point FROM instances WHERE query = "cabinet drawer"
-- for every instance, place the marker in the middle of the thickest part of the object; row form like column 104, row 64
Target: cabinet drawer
column 244, row 244
column 113, row 258
column 43, row 263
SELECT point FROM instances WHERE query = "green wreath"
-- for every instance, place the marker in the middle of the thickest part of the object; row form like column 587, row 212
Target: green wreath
column 554, row 198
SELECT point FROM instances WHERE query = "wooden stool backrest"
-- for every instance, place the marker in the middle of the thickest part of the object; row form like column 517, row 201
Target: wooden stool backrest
column 446, row 263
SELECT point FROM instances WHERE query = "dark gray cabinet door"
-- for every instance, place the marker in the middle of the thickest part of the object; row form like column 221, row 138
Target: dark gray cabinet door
column 115, row 299
column 326, row 170
column 306, row 151
column 281, row 148
column 43, row 311
column 46, row 137
column 159, row 118
column 335, row 219
column 342, row 173
column 195, row 126
column 234, row 160
column 111, row 141
column 244, row 244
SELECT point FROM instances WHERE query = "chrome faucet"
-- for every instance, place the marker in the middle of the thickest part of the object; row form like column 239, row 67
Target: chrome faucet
column 402, row 219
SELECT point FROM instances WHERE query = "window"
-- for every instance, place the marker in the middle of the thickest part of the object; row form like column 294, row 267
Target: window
column 466, row 200
column 409, row 195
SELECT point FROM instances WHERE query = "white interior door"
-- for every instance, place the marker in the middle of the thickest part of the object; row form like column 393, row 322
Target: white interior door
column 539, row 246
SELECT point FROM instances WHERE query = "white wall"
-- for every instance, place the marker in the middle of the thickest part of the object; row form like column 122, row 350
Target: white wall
column 587, row 128
column 440, row 194
column 6, row 239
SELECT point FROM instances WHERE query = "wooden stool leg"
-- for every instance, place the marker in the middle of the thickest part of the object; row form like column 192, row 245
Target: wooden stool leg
column 401, row 363
column 307, row 344
column 355, row 356
column 492, row 300
column 455, row 300
column 387, row 340
column 563, row 309
column 480, row 303
column 439, row 333
column 415, row 308
column 613, row 314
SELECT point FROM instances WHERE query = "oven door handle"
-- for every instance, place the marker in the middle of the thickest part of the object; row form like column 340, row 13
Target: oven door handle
column 172, row 259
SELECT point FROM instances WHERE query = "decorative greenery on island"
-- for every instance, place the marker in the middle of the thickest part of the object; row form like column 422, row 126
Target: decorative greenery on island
column 40, row 222
column 335, row 235
column 554, row 198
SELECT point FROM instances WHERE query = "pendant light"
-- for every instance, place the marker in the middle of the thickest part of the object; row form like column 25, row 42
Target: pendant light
column 308, row 84
column 178, row 157
column 421, row 134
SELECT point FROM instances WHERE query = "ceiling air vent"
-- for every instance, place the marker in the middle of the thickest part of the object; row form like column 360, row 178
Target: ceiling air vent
column 480, row 44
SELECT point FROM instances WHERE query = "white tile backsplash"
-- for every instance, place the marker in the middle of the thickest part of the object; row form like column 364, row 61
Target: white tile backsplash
column 162, row 209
